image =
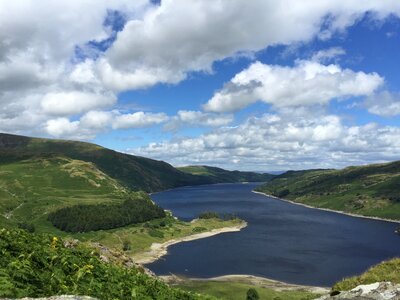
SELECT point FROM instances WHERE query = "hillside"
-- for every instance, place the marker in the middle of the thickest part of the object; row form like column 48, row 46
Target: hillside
column 41, row 265
column 31, row 189
column 218, row 175
column 135, row 172
column 371, row 190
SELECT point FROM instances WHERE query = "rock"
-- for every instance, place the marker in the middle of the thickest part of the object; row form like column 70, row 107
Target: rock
column 374, row 291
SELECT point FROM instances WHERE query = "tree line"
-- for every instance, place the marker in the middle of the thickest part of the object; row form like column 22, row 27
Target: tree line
column 83, row 218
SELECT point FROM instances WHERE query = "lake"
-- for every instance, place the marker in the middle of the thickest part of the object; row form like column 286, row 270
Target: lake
column 282, row 241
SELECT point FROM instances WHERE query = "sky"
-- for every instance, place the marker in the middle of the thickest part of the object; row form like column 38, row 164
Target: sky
column 259, row 85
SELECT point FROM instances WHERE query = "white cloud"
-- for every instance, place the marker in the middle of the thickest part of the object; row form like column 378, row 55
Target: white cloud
column 384, row 104
column 307, row 83
column 75, row 102
column 62, row 127
column 179, row 36
column 97, row 119
column 41, row 78
column 328, row 54
column 186, row 118
column 277, row 142
column 138, row 120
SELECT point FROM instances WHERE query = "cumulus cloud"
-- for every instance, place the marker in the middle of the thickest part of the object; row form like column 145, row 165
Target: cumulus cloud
column 138, row 120
column 179, row 36
column 277, row 142
column 61, row 127
column 384, row 104
column 185, row 118
column 75, row 102
column 51, row 73
column 307, row 83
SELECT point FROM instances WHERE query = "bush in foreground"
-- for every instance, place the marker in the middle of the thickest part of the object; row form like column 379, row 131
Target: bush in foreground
column 33, row 265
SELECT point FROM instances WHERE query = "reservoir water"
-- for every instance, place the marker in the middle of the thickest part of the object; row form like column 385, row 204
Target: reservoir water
column 282, row 241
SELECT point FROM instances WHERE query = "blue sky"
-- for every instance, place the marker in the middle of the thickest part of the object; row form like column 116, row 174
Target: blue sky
column 242, row 85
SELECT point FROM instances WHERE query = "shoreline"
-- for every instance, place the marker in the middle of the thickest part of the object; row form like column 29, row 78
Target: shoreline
column 158, row 250
column 328, row 209
column 250, row 279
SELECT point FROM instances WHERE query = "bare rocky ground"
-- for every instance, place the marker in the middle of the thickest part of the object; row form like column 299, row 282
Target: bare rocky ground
column 374, row 291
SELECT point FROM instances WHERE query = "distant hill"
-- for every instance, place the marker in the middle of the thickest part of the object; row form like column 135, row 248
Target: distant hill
column 371, row 190
column 135, row 172
column 218, row 175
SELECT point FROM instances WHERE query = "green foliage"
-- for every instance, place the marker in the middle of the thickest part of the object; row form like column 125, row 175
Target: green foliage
column 237, row 290
column 252, row 294
column 218, row 175
column 27, row 226
column 366, row 190
column 199, row 229
column 83, row 218
column 209, row 215
column 33, row 265
column 156, row 233
column 384, row 271
column 126, row 245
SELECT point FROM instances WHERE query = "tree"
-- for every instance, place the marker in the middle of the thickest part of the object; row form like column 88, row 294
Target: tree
column 252, row 294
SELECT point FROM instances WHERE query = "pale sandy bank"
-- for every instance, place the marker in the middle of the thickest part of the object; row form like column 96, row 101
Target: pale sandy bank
column 253, row 280
column 158, row 250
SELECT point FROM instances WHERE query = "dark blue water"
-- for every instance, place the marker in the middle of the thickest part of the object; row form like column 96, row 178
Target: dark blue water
column 282, row 241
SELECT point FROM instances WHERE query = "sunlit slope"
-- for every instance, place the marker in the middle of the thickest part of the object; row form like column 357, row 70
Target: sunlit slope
column 135, row 172
column 31, row 188
column 372, row 190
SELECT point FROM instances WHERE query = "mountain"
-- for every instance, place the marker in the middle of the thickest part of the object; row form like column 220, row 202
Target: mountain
column 371, row 190
column 134, row 172
column 218, row 175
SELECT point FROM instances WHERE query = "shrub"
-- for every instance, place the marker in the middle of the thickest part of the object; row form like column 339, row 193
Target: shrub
column 199, row 229
column 34, row 265
column 209, row 215
column 156, row 233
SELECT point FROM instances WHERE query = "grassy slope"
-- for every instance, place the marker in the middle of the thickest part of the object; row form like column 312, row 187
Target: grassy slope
column 31, row 188
column 135, row 172
column 371, row 190
column 385, row 271
column 219, row 175
column 237, row 290
column 40, row 265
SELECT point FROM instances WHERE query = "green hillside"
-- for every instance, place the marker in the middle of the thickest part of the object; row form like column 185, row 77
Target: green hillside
column 218, row 175
column 34, row 265
column 135, row 172
column 372, row 190
column 31, row 189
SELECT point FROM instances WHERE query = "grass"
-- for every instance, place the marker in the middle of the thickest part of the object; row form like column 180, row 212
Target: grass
column 140, row 236
column 366, row 190
column 32, row 188
column 385, row 271
column 233, row 290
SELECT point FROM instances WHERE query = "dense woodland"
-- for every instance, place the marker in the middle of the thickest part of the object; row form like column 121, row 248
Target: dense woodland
column 137, row 208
